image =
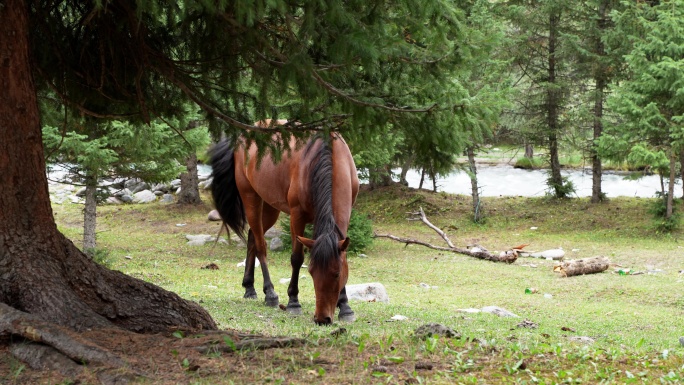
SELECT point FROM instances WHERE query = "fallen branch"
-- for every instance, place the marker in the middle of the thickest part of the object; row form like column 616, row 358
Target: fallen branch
column 582, row 266
column 509, row 256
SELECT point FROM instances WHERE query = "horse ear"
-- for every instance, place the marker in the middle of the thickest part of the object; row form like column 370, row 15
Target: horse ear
column 308, row 243
column 342, row 245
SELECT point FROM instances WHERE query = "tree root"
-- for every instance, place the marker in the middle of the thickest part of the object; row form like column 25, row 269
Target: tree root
column 118, row 356
column 509, row 256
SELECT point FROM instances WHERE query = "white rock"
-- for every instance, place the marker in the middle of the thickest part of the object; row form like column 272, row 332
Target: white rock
column 144, row 196
column 399, row 317
column 501, row 312
column 369, row 292
column 469, row 310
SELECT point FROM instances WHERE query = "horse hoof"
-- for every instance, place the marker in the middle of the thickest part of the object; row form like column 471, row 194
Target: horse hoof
column 294, row 309
column 272, row 302
column 250, row 296
column 348, row 317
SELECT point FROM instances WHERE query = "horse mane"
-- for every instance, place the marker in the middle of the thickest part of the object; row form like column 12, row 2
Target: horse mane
column 325, row 228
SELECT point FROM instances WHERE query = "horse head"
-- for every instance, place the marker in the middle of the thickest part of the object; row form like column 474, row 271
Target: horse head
column 329, row 270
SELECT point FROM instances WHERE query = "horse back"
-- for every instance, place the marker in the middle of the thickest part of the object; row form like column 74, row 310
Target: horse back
column 286, row 184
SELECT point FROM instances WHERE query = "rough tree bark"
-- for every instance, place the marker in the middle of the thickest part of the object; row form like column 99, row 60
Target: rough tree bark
column 90, row 215
column 189, row 193
column 474, row 189
column 41, row 271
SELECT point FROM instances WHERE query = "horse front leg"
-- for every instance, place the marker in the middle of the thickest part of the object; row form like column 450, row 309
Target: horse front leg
column 248, row 278
column 296, row 260
column 346, row 312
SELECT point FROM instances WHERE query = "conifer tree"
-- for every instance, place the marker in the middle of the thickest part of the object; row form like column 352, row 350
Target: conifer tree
column 347, row 65
column 650, row 100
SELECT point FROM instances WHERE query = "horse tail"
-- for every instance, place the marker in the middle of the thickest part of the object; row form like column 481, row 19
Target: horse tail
column 224, row 189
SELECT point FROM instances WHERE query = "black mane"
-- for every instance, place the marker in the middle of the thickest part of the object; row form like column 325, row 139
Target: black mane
column 325, row 228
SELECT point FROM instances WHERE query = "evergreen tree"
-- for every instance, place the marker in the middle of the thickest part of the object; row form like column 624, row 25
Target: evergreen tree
column 539, row 45
column 348, row 65
column 94, row 150
column 650, row 100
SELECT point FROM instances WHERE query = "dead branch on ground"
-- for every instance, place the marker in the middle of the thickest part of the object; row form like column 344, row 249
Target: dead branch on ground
column 509, row 256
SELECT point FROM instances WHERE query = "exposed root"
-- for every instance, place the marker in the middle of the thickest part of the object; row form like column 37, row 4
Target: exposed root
column 117, row 356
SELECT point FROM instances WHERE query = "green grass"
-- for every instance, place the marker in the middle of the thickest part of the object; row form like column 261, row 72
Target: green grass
column 635, row 319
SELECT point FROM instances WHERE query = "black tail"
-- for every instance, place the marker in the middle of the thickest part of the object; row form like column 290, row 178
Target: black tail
column 224, row 189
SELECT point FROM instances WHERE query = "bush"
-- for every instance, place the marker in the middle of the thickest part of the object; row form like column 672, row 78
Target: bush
column 528, row 163
column 659, row 210
column 360, row 232
column 564, row 190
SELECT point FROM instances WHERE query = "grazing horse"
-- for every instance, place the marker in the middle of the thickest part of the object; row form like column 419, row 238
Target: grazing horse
column 315, row 183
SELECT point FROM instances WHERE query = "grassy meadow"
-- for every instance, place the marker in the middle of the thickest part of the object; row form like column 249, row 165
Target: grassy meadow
column 635, row 321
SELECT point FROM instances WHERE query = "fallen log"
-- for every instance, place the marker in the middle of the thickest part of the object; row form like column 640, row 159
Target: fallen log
column 509, row 256
column 582, row 266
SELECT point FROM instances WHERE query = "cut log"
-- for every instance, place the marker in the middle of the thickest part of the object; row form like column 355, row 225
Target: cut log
column 582, row 266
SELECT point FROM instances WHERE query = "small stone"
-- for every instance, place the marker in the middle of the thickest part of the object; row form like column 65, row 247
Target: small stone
column 435, row 329
column 284, row 280
column 214, row 216
column 501, row 312
column 582, row 339
column 399, row 317
column 128, row 257
column 681, row 341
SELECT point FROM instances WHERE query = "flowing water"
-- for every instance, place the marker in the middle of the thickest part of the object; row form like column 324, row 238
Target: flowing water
column 504, row 180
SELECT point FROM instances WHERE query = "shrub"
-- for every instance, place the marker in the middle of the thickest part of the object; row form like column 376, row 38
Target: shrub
column 659, row 210
column 360, row 232
column 564, row 190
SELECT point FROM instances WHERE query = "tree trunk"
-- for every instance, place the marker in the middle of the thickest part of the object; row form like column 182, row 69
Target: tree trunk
column 380, row 177
column 189, row 193
column 529, row 151
column 433, row 177
column 600, row 80
column 670, row 185
column 405, row 169
column 552, row 105
column 41, row 271
column 475, row 191
column 422, row 178
column 90, row 215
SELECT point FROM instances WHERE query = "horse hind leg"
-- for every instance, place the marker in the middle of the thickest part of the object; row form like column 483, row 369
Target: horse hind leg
column 268, row 219
column 346, row 313
column 248, row 278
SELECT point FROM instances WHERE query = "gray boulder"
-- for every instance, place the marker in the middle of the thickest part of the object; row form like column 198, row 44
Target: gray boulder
column 273, row 232
column 144, row 196
column 214, row 216
column 167, row 198
column 277, row 244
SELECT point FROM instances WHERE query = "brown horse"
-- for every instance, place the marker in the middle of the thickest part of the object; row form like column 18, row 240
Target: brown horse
column 317, row 184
